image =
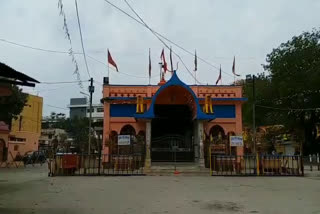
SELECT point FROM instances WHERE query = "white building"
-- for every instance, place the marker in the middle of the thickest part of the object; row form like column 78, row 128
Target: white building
column 97, row 112
column 79, row 107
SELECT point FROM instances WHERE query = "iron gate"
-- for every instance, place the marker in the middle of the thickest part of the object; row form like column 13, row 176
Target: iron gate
column 172, row 148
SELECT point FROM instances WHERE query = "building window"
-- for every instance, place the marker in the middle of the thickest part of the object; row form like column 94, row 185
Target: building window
column 99, row 109
column 17, row 139
column 88, row 110
column 16, row 148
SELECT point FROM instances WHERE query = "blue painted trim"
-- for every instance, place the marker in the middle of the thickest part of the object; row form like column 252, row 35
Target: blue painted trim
column 175, row 81
column 126, row 98
column 122, row 110
column 129, row 85
column 224, row 111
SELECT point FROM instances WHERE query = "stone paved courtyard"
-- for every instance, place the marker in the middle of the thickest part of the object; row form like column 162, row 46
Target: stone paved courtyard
column 29, row 190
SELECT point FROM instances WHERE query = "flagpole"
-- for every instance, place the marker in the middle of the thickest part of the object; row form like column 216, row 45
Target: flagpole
column 171, row 60
column 108, row 71
column 233, row 70
column 149, row 68
column 108, row 65
column 220, row 75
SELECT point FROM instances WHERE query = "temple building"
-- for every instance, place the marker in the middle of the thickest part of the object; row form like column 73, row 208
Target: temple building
column 173, row 121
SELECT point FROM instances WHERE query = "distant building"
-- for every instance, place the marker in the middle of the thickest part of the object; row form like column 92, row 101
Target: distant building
column 26, row 129
column 79, row 107
column 97, row 112
column 48, row 135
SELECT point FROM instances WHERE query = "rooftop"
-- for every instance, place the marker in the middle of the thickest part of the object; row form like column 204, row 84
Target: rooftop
column 9, row 75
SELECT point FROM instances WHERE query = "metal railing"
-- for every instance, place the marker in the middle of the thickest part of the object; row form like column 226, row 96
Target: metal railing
column 312, row 162
column 82, row 164
column 256, row 165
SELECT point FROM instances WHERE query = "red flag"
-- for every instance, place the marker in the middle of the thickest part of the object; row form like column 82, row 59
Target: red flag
column 219, row 78
column 111, row 61
column 195, row 61
column 164, row 65
column 149, row 64
column 234, row 67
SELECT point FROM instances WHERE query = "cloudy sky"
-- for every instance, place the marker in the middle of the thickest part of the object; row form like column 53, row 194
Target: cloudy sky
column 217, row 29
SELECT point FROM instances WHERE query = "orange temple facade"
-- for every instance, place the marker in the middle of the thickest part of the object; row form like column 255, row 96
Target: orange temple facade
column 175, row 121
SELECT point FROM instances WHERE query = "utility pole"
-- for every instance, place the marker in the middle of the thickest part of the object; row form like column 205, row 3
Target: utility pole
column 91, row 90
column 254, row 113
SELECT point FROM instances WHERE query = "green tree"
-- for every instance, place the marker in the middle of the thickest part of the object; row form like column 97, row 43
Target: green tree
column 78, row 129
column 11, row 106
column 294, row 69
column 264, row 96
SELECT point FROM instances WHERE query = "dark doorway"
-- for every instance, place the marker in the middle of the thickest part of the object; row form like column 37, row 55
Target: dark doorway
column 172, row 131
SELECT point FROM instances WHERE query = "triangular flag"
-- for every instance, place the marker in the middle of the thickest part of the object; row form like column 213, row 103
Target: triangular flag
column 219, row 78
column 164, row 65
column 111, row 61
column 234, row 67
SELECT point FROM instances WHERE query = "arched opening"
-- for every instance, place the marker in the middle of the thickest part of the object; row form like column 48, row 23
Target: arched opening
column 216, row 134
column 218, row 140
column 128, row 130
column 172, row 127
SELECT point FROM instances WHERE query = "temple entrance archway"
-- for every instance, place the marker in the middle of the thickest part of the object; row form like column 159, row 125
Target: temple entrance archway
column 172, row 127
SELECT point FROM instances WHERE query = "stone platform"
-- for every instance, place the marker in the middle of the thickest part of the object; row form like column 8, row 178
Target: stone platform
column 171, row 168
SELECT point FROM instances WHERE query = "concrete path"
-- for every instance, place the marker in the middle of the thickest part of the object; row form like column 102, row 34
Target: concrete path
column 31, row 191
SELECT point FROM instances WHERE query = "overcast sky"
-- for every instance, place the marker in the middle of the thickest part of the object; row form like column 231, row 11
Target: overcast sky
column 217, row 29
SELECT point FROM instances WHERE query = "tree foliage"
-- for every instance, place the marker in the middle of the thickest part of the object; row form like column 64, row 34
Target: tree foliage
column 11, row 106
column 290, row 94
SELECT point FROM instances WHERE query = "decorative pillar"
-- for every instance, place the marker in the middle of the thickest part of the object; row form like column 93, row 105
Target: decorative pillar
column 196, row 143
column 106, row 127
column 147, row 163
column 238, row 128
column 201, row 147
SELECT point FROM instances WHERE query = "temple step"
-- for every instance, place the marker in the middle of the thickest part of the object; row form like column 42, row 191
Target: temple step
column 176, row 169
